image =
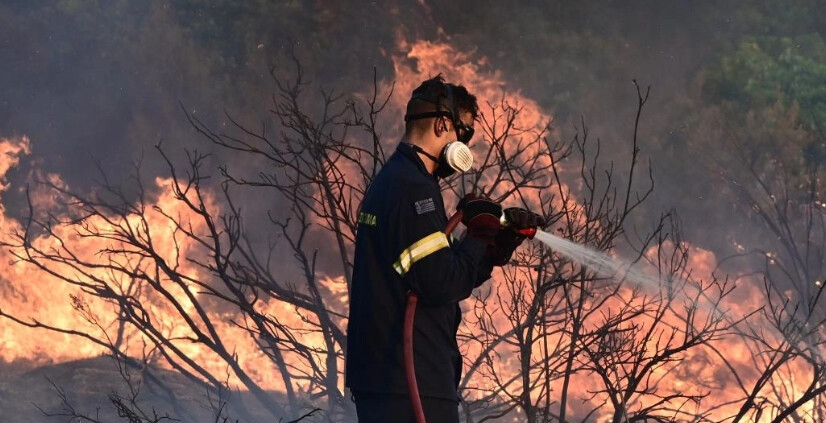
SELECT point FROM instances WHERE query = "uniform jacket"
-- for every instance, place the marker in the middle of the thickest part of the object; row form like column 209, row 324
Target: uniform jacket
column 401, row 246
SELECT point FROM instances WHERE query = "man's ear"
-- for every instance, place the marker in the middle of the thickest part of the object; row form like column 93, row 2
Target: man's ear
column 441, row 126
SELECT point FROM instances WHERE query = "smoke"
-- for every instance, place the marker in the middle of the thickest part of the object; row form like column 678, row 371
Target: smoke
column 103, row 81
column 90, row 81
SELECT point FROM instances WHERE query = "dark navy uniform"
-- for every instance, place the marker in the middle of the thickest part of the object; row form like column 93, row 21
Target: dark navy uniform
column 401, row 246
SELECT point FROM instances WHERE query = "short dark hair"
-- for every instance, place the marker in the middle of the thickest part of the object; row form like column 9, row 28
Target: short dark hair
column 432, row 95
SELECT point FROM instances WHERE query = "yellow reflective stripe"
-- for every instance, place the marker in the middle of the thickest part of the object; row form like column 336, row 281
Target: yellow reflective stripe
column 419, row 250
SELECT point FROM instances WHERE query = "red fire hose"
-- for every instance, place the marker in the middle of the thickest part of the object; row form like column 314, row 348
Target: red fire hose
column 409, row 315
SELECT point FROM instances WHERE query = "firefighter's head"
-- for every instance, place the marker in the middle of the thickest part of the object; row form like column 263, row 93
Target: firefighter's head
column 439, row 123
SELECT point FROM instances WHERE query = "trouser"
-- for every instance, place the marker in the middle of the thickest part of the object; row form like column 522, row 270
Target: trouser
column 380, row 408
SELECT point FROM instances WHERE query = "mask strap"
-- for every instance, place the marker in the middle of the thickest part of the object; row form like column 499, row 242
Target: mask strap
column 428, row 155
column 426, row 115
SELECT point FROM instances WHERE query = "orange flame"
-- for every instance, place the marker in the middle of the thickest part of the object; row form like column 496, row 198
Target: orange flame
column 30, row 293
column 33, row 295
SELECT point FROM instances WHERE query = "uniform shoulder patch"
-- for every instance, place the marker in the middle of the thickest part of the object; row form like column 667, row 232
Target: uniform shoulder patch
column 425, row 206
column 367, row 219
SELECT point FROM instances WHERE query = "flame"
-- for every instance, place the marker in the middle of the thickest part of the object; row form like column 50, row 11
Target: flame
column 33, row 295
column 29, row 293
column 24, row 289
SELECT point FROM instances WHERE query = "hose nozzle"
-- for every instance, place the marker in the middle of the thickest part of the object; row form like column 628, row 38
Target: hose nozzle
column 528, row 232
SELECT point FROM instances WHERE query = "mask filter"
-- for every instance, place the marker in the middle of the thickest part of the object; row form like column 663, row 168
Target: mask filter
column 458, row 156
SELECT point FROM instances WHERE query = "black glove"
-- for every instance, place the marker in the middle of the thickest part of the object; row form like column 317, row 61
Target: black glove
column 521, row 224
column 481, row 217
column 521, row 219
column 506, row 242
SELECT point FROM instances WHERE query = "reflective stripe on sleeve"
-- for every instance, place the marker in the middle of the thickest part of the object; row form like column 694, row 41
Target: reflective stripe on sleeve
column 419, row 250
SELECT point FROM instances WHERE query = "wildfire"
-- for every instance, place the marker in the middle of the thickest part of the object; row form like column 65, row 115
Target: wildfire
column 25, row 290
column 36, row 297
column 32, row 295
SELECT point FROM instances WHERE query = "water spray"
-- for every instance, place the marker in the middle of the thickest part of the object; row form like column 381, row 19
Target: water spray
column 596, row 261
column 612, row 268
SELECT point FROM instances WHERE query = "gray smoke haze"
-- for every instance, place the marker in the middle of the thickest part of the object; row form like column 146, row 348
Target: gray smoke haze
column 98, row 80
column 102, row 80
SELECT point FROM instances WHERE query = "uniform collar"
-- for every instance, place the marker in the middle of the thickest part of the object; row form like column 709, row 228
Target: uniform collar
column 408, row 152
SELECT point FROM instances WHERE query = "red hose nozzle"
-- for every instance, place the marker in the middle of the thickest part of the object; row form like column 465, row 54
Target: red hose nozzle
column 527, row 232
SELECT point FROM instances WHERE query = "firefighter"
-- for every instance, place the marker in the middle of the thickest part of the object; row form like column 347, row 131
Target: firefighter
column 401, row 247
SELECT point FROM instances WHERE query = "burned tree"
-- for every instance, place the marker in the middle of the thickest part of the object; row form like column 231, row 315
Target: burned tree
column 192, row 276
column 213, row 266
column 781, row 194
column 557, row 323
